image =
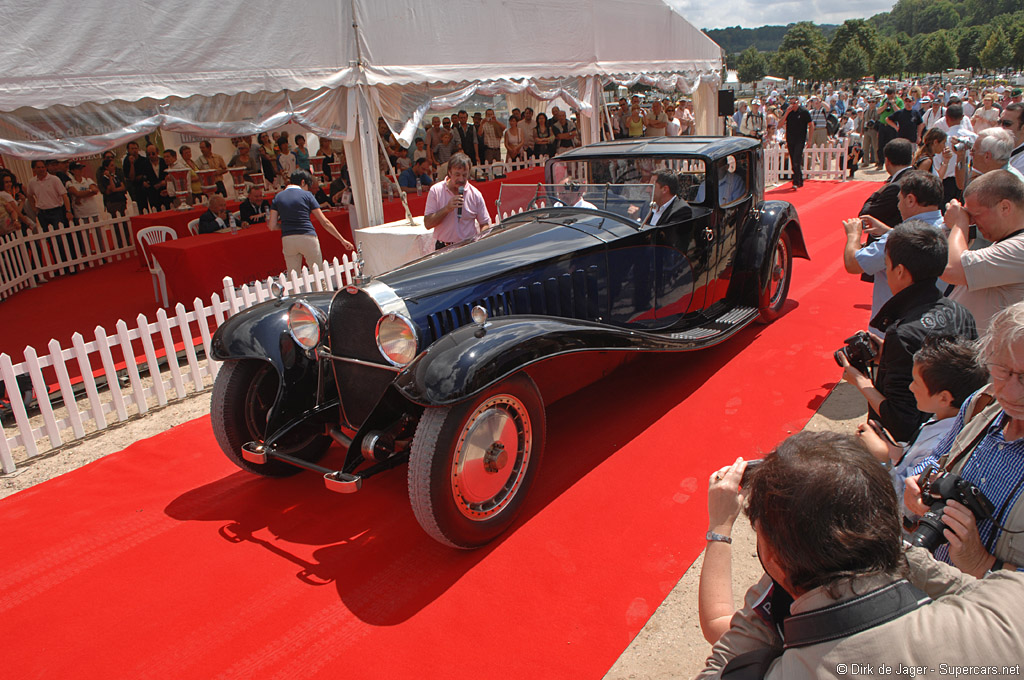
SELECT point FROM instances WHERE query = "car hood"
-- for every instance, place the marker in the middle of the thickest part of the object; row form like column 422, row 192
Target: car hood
column 504, row 249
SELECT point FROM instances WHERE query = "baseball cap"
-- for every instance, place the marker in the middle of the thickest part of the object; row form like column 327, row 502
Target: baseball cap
column 1016, row 92
column 926, row 99
column 756, row 102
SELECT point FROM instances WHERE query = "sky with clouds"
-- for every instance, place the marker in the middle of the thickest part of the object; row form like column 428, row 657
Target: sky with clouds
column 754, row 13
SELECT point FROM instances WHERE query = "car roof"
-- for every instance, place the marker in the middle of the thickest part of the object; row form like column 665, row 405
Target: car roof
column 714, row 147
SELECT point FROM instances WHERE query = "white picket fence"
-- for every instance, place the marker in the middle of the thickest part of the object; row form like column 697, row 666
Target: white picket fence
column 28, row 259
column 107, row 393
column 830, row 161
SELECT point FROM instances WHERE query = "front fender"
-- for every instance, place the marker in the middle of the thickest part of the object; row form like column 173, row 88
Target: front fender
column 261, row 333
column 471, row 358
column 753, row 260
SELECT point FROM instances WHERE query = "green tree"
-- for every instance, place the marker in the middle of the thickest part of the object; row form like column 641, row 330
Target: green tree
column 751, row 65
column 998, row 52
column 915, row 49
column 890, row 59
column 941, row 53
column 970, row 40
column 791, row 64
column 937, row 16
column 807, row 38
column 853, row 63
column 853, row 32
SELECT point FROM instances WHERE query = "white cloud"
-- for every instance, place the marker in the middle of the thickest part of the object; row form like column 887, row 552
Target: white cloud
column 754, row 13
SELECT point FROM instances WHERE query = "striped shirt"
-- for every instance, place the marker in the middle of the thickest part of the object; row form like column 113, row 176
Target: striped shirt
column 996, row 467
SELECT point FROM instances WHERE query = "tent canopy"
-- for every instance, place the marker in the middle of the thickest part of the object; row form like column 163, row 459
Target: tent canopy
column 242, row 68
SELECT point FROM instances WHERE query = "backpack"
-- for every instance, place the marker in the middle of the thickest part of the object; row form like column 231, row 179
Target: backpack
column 832, row 124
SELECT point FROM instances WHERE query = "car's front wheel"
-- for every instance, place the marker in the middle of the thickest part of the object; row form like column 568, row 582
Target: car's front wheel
column 242, row 396
column 773, row 297
column 472, row 464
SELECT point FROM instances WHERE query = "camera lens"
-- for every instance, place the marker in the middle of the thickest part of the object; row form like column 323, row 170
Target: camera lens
column 929, row 531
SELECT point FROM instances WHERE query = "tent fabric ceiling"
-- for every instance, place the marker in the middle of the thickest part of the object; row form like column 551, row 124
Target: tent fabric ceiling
column 181, row 64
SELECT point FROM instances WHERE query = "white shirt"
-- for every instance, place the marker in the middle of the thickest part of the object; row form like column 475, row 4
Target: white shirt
column 659, row 211
column 673, row 128
column 88, row 207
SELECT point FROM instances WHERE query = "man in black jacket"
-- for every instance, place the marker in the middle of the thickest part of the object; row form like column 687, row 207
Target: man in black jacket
column 915, row 255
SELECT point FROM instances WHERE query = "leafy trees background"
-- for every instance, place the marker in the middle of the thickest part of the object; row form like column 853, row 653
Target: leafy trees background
column 914, row 37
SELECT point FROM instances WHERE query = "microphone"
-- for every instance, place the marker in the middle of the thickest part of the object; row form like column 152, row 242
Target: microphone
column 458, row 213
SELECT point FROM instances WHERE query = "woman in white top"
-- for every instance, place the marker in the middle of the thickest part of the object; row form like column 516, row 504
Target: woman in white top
column 985, row 117
column 85, row 195
column 515, row 139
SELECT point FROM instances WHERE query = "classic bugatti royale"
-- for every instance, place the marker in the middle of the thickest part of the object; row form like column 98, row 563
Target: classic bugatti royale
column 434, row 364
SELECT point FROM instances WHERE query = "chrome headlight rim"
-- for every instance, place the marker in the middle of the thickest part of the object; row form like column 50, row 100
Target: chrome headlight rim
column 395, row 316
column 318, row 319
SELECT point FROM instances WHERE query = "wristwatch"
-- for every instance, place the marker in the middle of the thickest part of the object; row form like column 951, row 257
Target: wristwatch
column 712, row 536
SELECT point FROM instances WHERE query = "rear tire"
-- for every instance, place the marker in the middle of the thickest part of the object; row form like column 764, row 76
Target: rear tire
column 779, row 277
column 242, row 396
column 472, row 464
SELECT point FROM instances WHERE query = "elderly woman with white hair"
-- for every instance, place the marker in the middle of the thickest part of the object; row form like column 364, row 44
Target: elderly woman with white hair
column 986, row 448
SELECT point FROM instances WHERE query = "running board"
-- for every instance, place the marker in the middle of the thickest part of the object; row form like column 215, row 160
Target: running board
column 731, row 320
column 335, row 480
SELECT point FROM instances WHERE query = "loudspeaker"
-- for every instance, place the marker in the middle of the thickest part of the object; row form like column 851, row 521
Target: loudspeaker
column 726, row 102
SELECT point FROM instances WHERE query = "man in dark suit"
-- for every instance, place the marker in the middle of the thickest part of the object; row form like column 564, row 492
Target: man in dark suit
column 466, row 136
column 671, row 208
column 883, row 203
column 216, row 218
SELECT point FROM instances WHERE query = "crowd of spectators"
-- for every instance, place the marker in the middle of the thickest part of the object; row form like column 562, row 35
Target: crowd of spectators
column 939, row 367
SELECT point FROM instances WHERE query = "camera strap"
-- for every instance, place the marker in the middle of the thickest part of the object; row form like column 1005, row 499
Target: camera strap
column 831, row 623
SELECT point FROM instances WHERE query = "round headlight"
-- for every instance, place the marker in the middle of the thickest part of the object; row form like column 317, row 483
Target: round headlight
column 396, row 339
column 304, row 325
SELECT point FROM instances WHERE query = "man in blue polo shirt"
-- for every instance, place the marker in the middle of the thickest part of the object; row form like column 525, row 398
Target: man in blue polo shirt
column 420, row 170
column 291, row 213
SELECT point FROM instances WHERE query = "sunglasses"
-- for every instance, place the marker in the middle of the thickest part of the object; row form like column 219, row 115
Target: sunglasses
column 1006, row 123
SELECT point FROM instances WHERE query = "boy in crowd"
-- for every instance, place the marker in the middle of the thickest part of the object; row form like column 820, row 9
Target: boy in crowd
column 945, row 372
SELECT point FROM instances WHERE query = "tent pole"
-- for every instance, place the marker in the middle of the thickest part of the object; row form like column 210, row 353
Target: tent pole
column 363, row 167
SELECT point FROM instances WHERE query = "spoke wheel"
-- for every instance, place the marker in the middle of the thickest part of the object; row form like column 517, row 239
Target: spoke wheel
column 780, row 273
column 471, row 464
column 243, row 394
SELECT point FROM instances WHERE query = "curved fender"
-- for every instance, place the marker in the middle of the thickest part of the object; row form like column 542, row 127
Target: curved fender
column 759, row 235
column 471, row 358
column 261, row 332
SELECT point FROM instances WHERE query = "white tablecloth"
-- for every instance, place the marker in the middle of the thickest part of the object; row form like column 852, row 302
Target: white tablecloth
column 389, row 246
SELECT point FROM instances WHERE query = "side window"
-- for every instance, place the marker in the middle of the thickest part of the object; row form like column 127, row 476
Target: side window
column 733, row 178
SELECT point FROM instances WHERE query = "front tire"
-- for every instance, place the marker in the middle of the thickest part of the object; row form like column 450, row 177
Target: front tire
column 242, row 396
column 779, row 276
column 472, row 464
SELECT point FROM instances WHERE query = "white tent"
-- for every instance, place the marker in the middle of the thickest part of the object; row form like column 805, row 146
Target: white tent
column 83, row 79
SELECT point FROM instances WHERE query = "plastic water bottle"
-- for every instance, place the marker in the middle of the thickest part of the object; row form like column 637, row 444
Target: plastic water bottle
column 419, row 187
column 231, row 222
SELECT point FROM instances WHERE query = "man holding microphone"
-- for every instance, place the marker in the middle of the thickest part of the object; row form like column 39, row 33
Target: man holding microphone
column 455, row 207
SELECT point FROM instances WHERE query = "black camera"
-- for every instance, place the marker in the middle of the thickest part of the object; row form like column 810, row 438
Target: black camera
column 859, row 351
column 937, row 491
column 751, row 466
column 870, row 125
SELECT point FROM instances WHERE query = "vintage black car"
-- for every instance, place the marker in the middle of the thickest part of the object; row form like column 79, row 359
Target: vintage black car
column 433, row 364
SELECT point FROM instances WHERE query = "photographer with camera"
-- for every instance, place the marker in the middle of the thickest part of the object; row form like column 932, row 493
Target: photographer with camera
column 915, row 255
column 991, row 278
column 989, row 151
column 918, row 200
column 840, row 588
column 985, row 449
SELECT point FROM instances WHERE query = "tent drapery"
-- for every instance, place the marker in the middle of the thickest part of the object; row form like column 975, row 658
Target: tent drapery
column 92, row 128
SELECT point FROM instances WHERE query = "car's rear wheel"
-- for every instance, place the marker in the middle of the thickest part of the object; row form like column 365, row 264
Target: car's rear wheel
column 773, row 297
column 242, row 396
column 472, row 464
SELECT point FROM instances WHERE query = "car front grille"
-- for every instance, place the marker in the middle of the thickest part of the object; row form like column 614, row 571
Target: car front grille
column 573, row 294
column 353, row 322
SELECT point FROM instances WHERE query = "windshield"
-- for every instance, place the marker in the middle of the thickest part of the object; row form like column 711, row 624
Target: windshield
column 631, row 201
column 632, row 170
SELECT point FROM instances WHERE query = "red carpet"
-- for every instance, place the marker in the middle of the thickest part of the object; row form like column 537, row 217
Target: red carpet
column 164, row 561
column 68, row 304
